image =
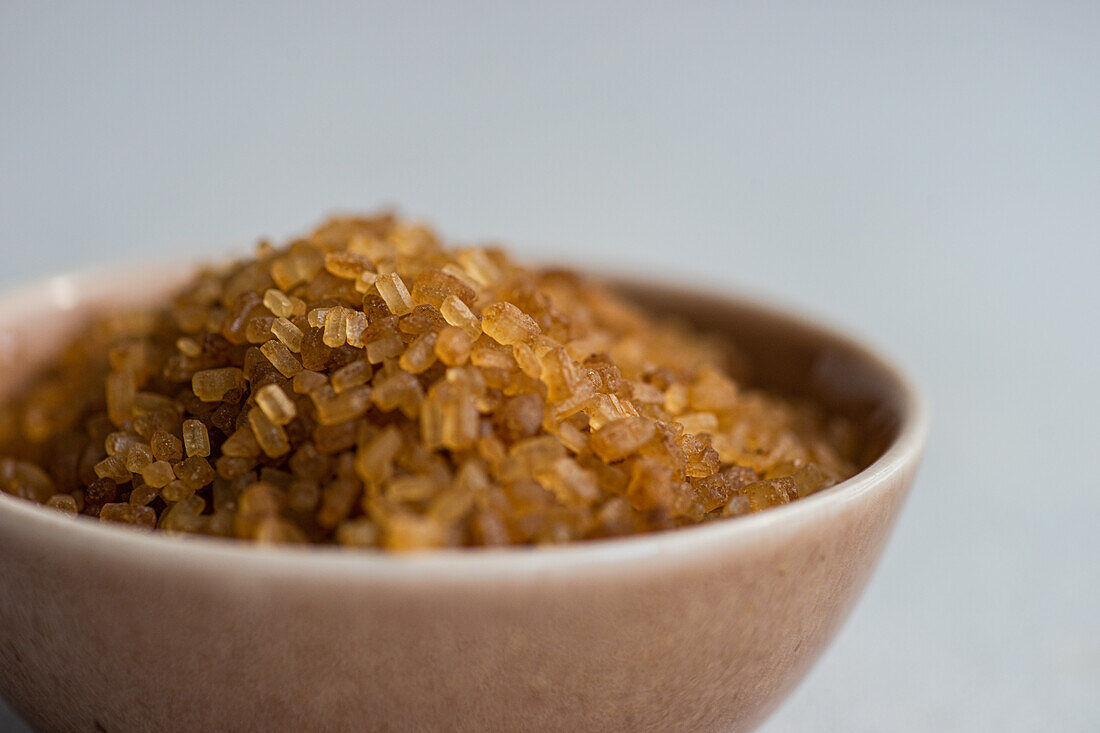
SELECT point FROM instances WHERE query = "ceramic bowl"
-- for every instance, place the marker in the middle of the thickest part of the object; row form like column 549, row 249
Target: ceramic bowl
column 104, row 628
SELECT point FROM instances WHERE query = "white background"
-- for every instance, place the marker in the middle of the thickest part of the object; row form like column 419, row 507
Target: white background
column 927, row 173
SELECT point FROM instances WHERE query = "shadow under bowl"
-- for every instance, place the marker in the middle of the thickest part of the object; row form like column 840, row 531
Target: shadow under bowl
column 705, row 628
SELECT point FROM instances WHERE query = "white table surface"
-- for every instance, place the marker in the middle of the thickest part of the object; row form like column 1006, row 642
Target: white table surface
column 927, row 173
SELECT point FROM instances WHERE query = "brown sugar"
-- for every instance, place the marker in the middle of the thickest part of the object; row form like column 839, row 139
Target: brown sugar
column 369, row 387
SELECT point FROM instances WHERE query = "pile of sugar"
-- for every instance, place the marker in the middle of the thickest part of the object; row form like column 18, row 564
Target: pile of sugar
column 367, row 386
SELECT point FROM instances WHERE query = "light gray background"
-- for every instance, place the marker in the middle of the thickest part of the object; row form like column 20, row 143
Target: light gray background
column 927, row 172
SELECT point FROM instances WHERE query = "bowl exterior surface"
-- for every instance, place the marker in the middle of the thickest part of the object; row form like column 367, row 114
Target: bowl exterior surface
column 135, row 643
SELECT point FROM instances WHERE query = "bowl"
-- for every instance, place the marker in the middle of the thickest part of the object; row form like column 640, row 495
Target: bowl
column 107, row 628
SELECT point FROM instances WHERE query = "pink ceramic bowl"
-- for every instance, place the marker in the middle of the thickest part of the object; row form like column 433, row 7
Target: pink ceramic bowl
column 708, row 628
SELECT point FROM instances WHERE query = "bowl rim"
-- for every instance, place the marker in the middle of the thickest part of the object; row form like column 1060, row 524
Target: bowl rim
column 451, row 565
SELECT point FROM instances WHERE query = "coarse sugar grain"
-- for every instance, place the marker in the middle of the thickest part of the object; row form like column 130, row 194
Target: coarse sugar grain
column 507, row 324
column 351, row 375
column 307, row 381
column 336, row 327
column 270, row 436
column 453, row 345
column 281, row 358
column 366, row 386
column 288, row 333
column 158, row 474
column 392, row 289
column 278, row 303
column 420, row 354
column 457, row 313
column 275, row 404
column 211, row 385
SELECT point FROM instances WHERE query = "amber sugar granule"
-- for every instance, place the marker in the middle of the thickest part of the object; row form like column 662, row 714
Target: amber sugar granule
column 369, row 387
